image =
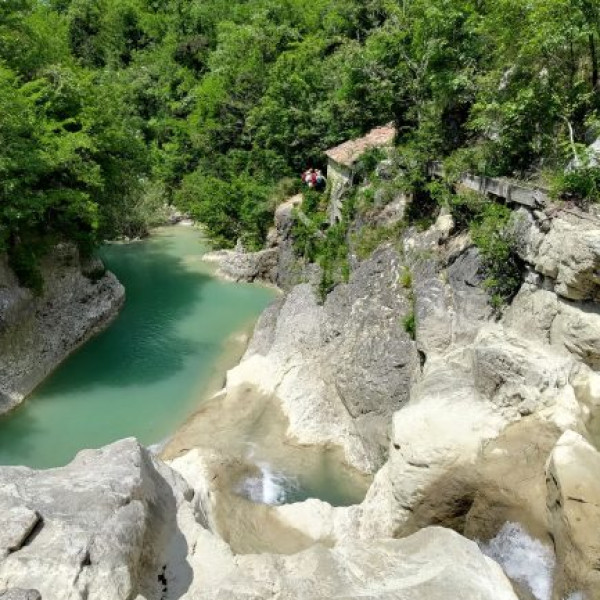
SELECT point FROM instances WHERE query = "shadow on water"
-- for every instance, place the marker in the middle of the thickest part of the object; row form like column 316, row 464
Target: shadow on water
column 18, row 440
column 143, row 346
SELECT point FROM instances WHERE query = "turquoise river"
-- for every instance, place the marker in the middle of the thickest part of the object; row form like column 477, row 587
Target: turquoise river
column 147, row 372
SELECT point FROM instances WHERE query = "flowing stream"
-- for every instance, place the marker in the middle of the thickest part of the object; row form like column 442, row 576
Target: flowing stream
column 144, row 375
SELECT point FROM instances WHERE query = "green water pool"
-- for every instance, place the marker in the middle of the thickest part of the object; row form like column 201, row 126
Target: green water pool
column 145, row 373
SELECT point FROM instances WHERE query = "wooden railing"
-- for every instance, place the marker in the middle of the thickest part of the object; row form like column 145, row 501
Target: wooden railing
column 532, row 197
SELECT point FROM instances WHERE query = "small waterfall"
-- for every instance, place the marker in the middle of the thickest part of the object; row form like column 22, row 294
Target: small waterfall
column 269, row 487
column 523, row 558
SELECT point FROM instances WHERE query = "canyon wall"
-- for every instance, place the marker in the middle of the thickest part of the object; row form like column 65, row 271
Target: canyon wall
column 37, row 332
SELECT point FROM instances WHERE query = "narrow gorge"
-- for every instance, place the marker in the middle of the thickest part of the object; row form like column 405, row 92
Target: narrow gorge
column 343, row 435
column 299, row 300
column 176, row 333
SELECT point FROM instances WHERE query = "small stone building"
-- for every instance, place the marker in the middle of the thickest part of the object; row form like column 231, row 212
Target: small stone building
column 342, row 159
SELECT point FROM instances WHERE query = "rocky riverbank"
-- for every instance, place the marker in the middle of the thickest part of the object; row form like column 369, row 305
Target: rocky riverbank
column 38, row 332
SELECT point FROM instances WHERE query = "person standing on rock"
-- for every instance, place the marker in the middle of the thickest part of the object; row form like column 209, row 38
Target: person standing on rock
column 321, row 182
column 307, row 177
column 314, row 179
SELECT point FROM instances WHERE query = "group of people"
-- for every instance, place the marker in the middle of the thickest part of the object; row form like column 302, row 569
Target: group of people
column 314, row 179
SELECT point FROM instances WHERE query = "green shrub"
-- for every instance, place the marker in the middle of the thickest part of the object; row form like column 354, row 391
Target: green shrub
column 329, row 249
column 367, row 198
column 345, row 271
column 410, row 325
column 333, row 258
column 367, row 163
column 313, row 202
column 25, row 264
column 368, row 238
column 327, row 246
column 406, row 279
column 307, row 235
column 502, row 267
column 284, row 189
column 147, row 209
column 580, row 185
column 228, row 209
column 326, row 284
column 422, row 210
column 471, row 159
column 464, row 205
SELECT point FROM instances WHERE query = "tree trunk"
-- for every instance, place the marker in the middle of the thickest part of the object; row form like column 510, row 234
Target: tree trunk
column 594, row 57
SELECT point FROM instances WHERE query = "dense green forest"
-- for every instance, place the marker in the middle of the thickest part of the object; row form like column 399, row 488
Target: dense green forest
column 110, row 109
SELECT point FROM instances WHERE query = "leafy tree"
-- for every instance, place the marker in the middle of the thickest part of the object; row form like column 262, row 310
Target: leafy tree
column 113, row 108
column 502, row 266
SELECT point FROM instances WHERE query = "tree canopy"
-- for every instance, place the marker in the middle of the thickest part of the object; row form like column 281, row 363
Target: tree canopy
column 111, row 108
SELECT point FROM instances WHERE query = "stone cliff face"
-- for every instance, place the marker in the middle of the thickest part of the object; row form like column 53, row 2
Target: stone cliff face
column 340, row 369
column 478, row 401
column 573, row 503
column 277, row 264
column 37, row 333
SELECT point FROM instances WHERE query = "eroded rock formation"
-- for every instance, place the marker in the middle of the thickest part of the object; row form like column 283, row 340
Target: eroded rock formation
column 483, row 387
column 574, row 514
column 118, row 524
column 340, row 369
column 39, row 332
column 451, row 423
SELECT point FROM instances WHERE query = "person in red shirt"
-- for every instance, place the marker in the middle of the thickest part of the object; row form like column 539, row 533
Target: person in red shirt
column 308, row 177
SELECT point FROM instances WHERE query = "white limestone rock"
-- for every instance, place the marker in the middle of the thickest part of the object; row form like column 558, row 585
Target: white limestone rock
column 238, row 265
column 98, row 524
column 532, row 313
column 573, row 482
column 577, row 328
column 20, row 594
column 434, row 564
column 527, row 233
column 38, row 333
column 570, row 255
column 117, row 524
column 518, row 376
column 570, row 327
column 340, row 369
column 586, row 384
column 18, row 524
column 563, row 248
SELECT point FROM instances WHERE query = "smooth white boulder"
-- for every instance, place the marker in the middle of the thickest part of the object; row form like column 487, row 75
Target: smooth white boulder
column 573, row 501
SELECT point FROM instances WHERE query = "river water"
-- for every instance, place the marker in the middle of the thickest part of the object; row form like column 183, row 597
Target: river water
column 144, row 375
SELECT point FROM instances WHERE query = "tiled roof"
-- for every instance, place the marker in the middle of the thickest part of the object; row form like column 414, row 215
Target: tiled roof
column 349, row 152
